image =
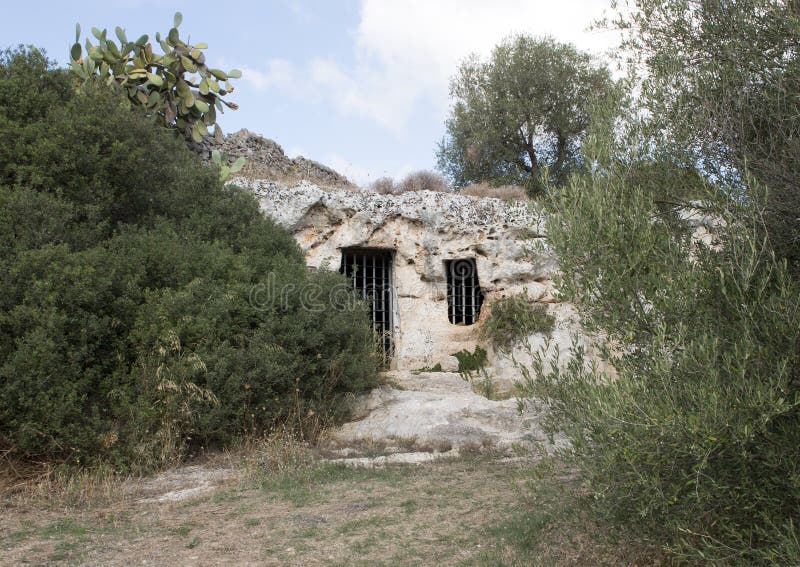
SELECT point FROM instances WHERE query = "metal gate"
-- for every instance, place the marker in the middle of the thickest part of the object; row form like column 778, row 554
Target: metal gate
column 370, row 271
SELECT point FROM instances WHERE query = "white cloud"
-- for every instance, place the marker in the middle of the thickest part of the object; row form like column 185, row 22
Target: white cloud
column 278, row 73
column 408, row 50
column 405, row 52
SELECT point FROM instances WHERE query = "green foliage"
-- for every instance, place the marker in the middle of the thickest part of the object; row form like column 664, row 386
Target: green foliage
column 695, row 441
column 720, row 83
column 521, row 115
column 176, row 85
column 472, row 368
column 225, row 170
column 148, row 310
column 512, row 319
column 470, row 362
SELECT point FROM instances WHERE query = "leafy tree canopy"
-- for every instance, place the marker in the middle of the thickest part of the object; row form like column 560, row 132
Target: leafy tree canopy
column 142, row 313
column 522, row 112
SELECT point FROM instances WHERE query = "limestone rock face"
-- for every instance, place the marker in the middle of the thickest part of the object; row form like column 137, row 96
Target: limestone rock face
column 439, row 409
column 422, row 230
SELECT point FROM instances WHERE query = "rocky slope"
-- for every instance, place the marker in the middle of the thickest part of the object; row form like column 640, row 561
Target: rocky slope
column 267, row 160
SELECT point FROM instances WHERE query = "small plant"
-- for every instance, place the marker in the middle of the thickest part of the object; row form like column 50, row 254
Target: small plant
column 383, row 186
column 472, row 368
column 225, row 170
column 435, row 368
column 423, row 181
column 512, row 319
column 416, row 181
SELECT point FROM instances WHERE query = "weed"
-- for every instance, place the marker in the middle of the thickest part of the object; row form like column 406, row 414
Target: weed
column 194, row 542
column 183, row 530
column 472, row 368
column 435, row 368
column 409, row 506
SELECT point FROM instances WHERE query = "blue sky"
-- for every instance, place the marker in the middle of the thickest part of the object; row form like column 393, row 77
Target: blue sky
column 360, row 85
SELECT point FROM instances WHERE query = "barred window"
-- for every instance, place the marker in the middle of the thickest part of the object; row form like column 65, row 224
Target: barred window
column 370, row 272
column 464, row 295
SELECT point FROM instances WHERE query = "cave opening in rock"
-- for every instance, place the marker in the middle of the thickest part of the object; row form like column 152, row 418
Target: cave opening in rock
column 370, row 272
column 464, row 294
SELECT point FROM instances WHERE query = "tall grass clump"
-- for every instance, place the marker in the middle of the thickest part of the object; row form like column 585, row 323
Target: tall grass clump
column 148, row 312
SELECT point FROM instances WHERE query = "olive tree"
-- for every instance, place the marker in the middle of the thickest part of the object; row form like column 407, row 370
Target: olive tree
column 694, row 439
column 521, row 113
column 720, row 82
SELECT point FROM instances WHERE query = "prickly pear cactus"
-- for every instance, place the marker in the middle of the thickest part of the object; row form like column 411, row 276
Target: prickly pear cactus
column 176, row 85
column 225, row 170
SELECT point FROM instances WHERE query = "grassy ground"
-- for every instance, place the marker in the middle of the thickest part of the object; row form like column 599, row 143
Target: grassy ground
column 470, row 511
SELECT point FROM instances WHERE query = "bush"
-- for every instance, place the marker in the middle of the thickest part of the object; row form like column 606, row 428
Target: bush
column 423, row 181
column 504, row 192
column 383, row 186
column 512, row 319
column 695, row 442
column 417, row 181
column 149, row 311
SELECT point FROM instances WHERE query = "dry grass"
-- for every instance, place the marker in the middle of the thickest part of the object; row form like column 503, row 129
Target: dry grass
column 61, row 486
column 471, row 511
column 504, row 192
column 283, row 506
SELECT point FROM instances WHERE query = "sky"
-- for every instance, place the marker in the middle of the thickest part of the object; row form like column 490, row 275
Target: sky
column 359, row 85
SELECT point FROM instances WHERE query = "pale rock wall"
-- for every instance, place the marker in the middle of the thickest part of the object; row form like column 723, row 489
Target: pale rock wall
column 424, row 229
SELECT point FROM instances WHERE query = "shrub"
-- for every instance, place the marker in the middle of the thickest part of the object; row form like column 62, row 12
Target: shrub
column 512, row 319
column 423, row 181
column 149, row 311
column 504, row 192
column 695, row 441
column 472, row 368
column 383, row 186
column 417, row 181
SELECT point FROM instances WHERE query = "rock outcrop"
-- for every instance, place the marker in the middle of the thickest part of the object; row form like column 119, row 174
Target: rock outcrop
column 423, row 230
column 439, row 410
column 266, row 160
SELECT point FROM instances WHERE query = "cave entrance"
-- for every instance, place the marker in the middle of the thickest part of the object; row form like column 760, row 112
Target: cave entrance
column 370, row 272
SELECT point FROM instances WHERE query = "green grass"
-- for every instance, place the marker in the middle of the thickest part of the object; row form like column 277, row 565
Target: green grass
column 183, row 530
column 409, row 506
column 304, row 485
column 64, row 527
column 552, row 524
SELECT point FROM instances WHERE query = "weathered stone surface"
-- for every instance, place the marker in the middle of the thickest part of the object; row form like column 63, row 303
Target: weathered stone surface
column 439, row 409
column 423, row 229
